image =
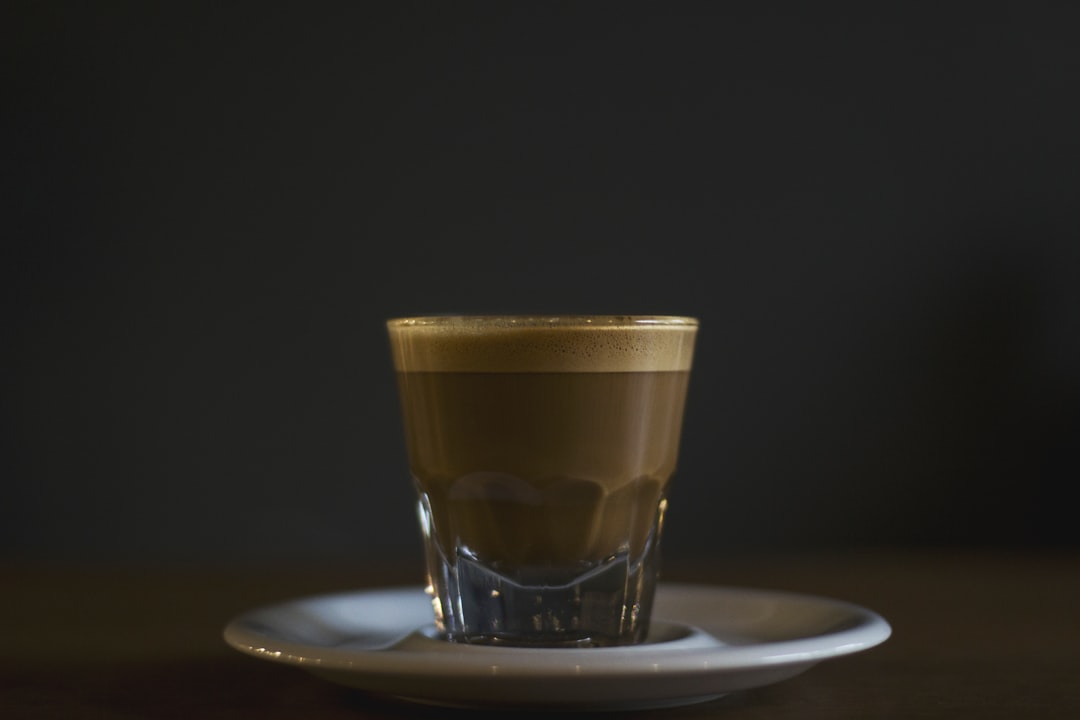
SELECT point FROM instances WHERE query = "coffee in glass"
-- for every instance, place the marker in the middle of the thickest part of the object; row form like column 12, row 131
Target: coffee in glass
column 541, row 449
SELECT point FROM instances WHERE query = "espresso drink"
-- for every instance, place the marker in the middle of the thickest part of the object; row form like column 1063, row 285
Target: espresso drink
column 541, row 450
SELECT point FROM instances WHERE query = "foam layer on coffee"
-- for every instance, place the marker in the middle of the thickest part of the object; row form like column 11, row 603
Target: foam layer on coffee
column 539, row 344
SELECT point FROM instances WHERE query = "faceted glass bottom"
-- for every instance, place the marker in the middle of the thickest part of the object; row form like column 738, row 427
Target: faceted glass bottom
column 591, row 604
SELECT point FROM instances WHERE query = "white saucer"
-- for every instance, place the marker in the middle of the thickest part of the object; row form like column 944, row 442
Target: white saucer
column 705, row 642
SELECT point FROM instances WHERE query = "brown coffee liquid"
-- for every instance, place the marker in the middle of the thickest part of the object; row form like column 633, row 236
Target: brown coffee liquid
column 543, row 469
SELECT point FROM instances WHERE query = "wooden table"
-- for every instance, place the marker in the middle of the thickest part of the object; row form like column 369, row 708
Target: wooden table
column 976, row 634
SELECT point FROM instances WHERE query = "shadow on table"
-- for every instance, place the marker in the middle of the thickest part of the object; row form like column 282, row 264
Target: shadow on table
column 226, row 687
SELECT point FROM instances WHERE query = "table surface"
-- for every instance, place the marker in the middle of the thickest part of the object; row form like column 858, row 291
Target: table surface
column 976, row 633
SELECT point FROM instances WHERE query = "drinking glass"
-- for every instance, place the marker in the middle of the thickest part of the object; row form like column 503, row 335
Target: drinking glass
column 542, row 449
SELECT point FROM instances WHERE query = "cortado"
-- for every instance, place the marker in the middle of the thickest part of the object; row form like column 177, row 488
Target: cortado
column 541, row 449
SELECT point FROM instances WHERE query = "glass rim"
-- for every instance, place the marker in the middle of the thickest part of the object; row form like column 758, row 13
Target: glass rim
column 536, row 320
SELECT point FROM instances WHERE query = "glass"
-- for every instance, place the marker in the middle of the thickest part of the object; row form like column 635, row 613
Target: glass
column 541, row 449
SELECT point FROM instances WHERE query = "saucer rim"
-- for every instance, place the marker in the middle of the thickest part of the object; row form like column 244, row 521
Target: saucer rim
column 865, row 630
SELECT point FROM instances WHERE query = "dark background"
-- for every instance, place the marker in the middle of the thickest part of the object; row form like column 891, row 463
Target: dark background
column 209, row 210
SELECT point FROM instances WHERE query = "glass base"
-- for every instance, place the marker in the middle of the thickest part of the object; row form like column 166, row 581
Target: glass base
column 599, row 604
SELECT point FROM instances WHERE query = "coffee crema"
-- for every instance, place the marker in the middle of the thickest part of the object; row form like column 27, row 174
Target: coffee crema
column 570, row 343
